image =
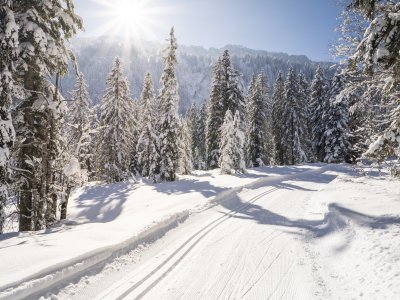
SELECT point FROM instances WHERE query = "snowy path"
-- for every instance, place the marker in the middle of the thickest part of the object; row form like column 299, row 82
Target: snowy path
column 251, row 246
column 309, row 232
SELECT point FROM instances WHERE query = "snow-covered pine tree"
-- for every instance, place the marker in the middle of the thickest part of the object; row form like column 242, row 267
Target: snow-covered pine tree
column 201, row 150
column 185, row 148
column 9, row 42
column 169, row 101
column 304, row 94
column 277, row 119
column 193, row 122
column 249, row 97
column 44, row 29
column 336, row 135
column 318, row 107
column 147, row 148
column 262, row 83
column 215, row 118
column 134, row 163
column 232, row 87
column 115, row 136
column 80, row 130
column 256, row 125
column 378, row 53
column 239, row 162
column 293, row 126
column 226, row 160
column 226, row 93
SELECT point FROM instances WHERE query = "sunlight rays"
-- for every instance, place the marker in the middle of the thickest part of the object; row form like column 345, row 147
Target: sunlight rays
column 131, row 20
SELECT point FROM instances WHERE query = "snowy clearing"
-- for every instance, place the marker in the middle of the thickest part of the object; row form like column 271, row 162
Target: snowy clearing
column 309, row 232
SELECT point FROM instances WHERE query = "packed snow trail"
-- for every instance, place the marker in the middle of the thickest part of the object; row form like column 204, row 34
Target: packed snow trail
column 250, row 246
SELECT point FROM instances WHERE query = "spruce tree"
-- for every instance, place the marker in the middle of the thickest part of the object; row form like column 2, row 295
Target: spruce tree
column 80, row 131
column 185, row 148
column 201, row 149
column 9, row 42
column 193, row 122
column 304, row 100
column 169, row 101
column 46, row 29
column 215, row 118
column 226, row 93
column 239, row 162
column 147, row 150
column 262, row 83
column 292, row 127
column 318, row 108
column 115, row 137
column 226, row 160
column 232, row 87
column 378, row 54
column 256, row 125
column 336, row 133
column 249, row 104
column 277, row 119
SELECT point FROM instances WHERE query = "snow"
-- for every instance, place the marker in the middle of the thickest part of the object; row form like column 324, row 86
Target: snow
column 308, row 231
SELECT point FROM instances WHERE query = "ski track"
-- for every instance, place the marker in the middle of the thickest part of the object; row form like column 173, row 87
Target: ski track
column 248, row 268
column 240, row 254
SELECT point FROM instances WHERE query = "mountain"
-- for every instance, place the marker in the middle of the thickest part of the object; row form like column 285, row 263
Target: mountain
column 95, row 57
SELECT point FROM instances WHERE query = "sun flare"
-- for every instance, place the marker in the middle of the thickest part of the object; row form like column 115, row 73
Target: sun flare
column 130, row 15
column 129, row 18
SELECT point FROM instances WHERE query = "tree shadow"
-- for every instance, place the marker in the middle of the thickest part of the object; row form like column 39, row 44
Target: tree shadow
column 103, row 205
column 188, row 186
column 336, row 218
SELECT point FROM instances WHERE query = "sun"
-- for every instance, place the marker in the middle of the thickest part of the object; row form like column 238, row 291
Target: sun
column 128, row 18
column 130, row 15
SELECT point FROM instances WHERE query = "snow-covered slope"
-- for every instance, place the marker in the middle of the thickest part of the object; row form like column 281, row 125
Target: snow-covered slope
column 309, row 232
column 96, row 55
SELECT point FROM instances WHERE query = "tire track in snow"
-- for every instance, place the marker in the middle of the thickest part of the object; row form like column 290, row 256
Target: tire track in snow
column 205, row 230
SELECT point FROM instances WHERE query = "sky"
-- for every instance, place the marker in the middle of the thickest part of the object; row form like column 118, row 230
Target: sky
column 290, row 26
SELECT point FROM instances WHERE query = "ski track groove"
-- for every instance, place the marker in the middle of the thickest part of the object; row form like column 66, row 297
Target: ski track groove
column 211, row 227
column 261, row 260
column 280, row 281
column 262, row 275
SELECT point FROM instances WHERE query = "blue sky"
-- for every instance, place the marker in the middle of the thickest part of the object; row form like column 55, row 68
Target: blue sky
column 291, row 26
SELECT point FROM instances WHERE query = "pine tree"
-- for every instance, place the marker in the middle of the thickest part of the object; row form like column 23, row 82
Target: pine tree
column 193, row 122
column 201, row 150
column 46, row 29
column 292, row 126
column 146, row 148
column 256, row 124
column 267, row 108
column 336, row 133
column 9, row 42
column 378, row 54
column 134, row 162
column 304, row 100
column 80, row 132
column 226, row 94
column 226, row 160
column 277, row 118
column 239, row 162
column 115, row 137
column 185, row 148
column 232, row 87
column 169, row 101
column 318, row 107
column 215, row 118
column 249, row 104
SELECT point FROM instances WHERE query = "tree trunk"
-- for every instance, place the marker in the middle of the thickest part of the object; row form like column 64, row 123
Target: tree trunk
column 64, row 205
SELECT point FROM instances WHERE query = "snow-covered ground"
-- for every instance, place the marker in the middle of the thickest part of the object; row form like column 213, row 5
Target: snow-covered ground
column 304, row 232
